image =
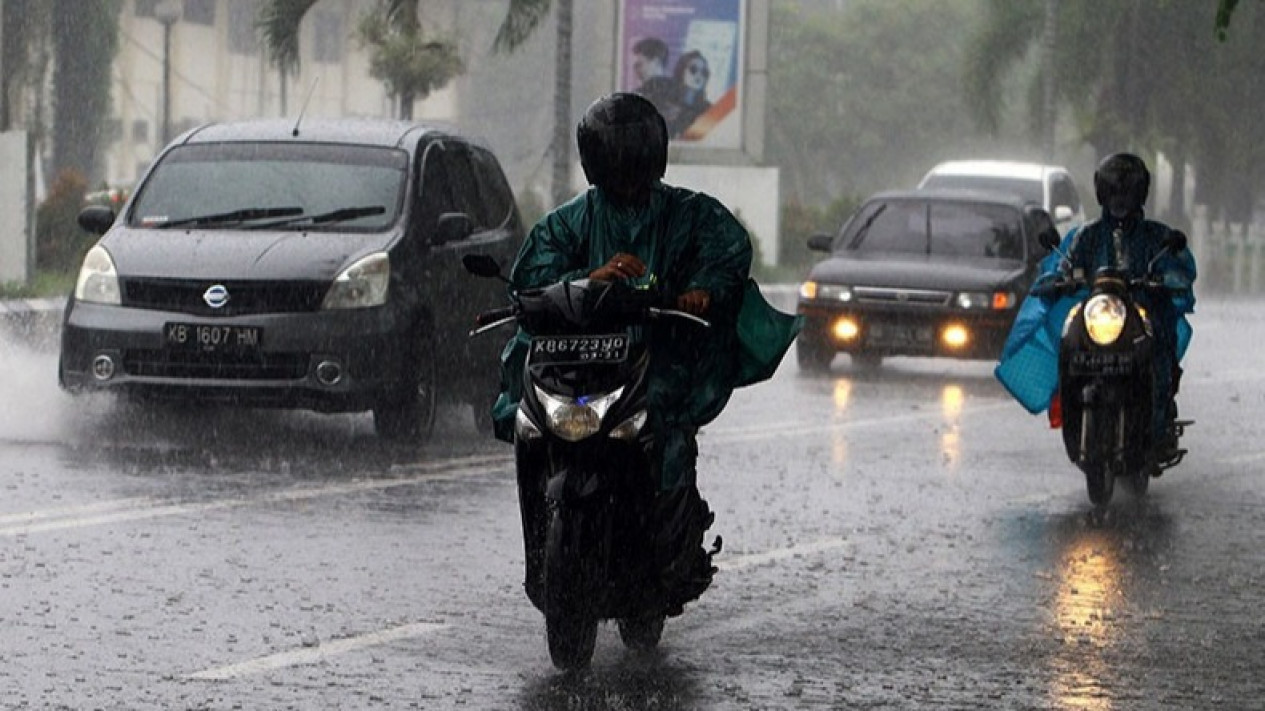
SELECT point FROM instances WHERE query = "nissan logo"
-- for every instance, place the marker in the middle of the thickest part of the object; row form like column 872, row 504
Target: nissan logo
column 216, row 296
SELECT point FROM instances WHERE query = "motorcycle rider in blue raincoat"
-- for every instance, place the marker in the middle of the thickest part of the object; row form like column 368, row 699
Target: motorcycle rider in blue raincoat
column 1121, row 238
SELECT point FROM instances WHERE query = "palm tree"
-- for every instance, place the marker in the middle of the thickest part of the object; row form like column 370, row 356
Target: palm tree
column 280, row 19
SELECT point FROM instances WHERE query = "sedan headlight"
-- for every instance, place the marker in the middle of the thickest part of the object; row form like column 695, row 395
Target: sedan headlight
column 825, row 292
column 98, row 282
column 1104, row 318
column 997, row 300
column 361, row 285
column 574, row 419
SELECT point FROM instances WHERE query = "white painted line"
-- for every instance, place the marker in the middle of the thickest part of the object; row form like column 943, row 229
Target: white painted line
column 30, row 523
column 1242, row 458
column 754, row 559
column 74, row 510
column 791, row 429
column 321, row 652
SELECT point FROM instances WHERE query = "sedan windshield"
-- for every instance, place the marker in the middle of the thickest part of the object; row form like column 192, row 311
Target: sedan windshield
column 237, row 183
column 950, row 229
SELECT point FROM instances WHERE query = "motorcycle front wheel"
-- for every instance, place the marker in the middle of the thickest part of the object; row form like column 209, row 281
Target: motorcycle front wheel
column 570, row 624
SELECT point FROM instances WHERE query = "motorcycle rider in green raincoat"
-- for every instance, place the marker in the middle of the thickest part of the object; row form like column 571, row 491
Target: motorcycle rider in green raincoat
column 629, row 225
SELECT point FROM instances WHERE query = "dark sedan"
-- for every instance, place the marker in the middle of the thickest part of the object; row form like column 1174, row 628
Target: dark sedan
column 304, row 266
column 926, row 273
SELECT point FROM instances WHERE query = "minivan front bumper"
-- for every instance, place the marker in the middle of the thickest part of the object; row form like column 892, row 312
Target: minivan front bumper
column 330, row 361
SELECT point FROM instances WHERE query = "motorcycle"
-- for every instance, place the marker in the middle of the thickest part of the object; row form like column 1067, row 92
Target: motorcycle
column 587, row 477
column 1106, row 388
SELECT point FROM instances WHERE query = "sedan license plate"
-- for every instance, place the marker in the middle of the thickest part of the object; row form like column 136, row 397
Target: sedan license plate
column 573, row 350
column 212, row 337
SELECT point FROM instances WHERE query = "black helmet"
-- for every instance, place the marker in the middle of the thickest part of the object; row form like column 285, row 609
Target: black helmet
column 623, row 142
column 1121, row 184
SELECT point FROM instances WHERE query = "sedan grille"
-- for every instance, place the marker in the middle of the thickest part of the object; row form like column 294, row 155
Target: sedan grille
column 186, row 296
column 218, row 366
column 891, row 296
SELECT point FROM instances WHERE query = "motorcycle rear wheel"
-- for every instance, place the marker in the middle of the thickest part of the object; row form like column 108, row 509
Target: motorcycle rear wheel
column 642, row 633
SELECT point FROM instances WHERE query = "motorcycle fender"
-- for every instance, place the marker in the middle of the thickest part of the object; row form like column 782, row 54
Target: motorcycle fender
column 569, row 484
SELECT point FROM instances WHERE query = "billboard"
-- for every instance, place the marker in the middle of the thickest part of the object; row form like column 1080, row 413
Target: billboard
column 687, row 57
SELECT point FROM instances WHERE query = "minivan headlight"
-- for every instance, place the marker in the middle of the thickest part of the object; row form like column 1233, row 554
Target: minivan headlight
column 98, row 282
column 362, row 285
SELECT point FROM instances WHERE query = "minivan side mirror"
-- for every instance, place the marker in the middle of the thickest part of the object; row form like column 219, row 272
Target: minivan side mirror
column 96, row 219
column 452, row 227
column 1049, row 239
column 820, row 242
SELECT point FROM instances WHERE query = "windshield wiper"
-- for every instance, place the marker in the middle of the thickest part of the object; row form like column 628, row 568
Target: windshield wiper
column 242, row 215
column 325, row 218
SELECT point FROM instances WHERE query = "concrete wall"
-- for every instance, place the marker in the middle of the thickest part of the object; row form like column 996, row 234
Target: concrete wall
column 750, row 193
column 15, row 234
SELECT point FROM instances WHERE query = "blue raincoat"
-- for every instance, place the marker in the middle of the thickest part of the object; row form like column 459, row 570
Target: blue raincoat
column 1028, row 367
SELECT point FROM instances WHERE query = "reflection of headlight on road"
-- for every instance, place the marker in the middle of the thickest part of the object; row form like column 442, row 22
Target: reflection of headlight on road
column 1104, row 318
column 573, row 419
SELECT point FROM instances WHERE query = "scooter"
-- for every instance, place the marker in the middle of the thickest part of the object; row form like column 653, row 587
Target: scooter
column 587, row 477
column 1106, row 389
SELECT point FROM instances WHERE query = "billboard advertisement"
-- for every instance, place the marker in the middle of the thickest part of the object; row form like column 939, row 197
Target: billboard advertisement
column 687, row 57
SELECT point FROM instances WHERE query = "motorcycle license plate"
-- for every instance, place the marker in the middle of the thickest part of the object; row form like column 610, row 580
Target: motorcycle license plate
column 575, row 350
column 1102, row 363
column 211, row 337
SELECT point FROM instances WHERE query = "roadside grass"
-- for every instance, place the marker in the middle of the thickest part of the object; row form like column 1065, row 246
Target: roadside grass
column 44, row 285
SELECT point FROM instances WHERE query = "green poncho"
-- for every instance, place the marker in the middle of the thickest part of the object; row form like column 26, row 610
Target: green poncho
column 688, row 241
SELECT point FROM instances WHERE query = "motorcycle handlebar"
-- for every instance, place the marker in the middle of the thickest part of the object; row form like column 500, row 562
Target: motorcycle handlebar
column 493, row 316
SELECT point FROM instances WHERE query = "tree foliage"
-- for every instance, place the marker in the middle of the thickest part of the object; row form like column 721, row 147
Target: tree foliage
column 865, row 96
column 408, row 64
column 85, row 41
column 1147, row 77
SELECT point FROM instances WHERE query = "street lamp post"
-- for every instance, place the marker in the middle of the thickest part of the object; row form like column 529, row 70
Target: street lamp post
column 167, row 12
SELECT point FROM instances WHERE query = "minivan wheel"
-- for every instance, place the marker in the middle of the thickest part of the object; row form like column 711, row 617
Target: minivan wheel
column 409, row 415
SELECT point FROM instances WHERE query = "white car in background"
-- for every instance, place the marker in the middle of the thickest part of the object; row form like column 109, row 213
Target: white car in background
column 1050, row 186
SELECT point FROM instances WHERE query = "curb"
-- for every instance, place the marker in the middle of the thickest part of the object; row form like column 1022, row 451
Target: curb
column 19, row 307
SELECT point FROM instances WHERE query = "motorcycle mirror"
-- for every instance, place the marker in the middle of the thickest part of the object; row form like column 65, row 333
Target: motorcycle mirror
column 481, row 265
column 1175, row 241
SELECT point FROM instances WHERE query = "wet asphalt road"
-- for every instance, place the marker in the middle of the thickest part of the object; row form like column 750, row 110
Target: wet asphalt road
column 906, row 538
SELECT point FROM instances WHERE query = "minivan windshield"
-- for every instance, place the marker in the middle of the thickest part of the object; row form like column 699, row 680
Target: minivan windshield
column 937, row 228
column 254, row 184
column 1022, row 188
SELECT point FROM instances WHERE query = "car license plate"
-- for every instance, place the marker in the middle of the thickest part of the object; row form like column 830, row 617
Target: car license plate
column 564, row 350
column 212, row 337
column 891, row 334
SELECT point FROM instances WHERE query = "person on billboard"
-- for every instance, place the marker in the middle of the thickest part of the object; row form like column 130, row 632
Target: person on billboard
column 691, row 75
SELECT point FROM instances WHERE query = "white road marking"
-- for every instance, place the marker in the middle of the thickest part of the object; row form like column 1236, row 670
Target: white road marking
column 320, row 652
column 74, row 510
column 754, row 559
column 792, row 429
column 143, row 509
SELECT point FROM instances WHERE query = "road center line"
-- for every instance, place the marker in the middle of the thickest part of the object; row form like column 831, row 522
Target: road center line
column 312, row 655
column 754, row 559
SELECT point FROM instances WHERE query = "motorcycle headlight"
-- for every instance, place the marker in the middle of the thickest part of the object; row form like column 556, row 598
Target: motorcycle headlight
column 1104, row 318
column 361, row 285
column 98, row 282
column 573, row 419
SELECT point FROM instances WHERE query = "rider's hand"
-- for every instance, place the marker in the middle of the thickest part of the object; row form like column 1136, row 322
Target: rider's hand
column 620, row 266
column 694, row 302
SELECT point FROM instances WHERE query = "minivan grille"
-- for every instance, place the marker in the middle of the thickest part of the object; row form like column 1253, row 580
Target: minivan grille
column 911, row 297
column 244, row 297
column 220, row 366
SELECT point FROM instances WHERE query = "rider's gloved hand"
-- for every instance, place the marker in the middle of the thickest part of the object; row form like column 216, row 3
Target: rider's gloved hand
column 694, row 302
column 620, row 266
